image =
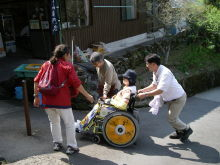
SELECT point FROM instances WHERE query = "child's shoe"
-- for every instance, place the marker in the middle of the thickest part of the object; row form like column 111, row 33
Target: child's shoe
column 78, row 126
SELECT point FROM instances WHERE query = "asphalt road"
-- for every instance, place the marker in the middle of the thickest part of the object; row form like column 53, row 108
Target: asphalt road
column 153, row 146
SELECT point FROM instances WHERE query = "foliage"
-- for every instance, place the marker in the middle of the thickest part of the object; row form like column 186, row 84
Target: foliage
column 196, row 57
column 206, row 27
column 172, row 15
column 215, row 3
column 167, row 12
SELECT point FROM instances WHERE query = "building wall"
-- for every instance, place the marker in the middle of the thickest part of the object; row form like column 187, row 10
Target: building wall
column 106, row 26
column 38, row 43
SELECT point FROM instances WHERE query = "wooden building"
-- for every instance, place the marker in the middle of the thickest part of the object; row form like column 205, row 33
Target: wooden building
column 87, row 21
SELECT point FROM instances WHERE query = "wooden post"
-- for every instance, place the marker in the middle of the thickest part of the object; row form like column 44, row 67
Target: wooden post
column 26, row 108
column 72, row 50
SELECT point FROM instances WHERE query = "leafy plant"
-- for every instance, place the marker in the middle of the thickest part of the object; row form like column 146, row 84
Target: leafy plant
column 197, row 57
column 172, row 16
column 206, row 27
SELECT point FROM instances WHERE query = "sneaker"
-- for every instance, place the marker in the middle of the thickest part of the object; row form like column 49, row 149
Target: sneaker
column 186, row 134
column 176, row 135
column 70, row 150
column 57, row 146
column 78, row 126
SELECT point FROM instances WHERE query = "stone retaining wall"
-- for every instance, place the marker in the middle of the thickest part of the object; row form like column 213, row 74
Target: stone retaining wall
column 201, row 82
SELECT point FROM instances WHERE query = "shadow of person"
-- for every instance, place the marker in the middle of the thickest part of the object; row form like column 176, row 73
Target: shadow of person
column 82, row 159
column 204, row 153
column 147, row 146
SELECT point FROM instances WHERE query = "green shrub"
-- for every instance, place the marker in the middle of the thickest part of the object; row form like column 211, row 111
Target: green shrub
column 206, row 27
column 197, row 57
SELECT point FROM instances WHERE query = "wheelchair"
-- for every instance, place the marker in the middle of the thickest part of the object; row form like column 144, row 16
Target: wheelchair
column 118, row 128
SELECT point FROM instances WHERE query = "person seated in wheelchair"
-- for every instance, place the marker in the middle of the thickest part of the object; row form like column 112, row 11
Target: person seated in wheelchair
column 119, row 101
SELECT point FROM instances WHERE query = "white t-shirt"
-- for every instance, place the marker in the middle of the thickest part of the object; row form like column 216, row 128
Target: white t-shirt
column 165, row 81
column 132, row 88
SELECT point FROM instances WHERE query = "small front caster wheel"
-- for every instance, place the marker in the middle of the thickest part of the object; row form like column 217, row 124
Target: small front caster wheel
column 96, row 139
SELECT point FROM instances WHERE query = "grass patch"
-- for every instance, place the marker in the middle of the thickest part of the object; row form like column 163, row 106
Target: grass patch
column 194, row 58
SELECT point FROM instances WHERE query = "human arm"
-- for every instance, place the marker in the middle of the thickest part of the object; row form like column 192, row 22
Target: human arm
column 36, row 97
column 148, row 88
column 163, row 86
column 149, row 93
column 108, row 76
column 36, row 82
column 76, row 83
column 82, row 90
column 151, row 87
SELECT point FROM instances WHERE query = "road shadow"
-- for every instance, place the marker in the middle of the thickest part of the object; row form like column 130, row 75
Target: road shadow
column 205, row 154
column 158, row 126
column 82, row 159
column 13, row 133
column 147, row 146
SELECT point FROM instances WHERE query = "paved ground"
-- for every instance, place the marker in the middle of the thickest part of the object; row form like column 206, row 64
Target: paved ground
column 153, row 145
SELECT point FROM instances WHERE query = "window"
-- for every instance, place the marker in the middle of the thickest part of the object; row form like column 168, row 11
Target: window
column 129, row 9
column 74, row 13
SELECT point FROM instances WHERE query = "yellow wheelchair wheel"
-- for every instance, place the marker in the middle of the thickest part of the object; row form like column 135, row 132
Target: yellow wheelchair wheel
column 120, row 129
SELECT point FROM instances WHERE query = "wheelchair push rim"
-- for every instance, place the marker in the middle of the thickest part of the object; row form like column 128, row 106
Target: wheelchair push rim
column 120, row 129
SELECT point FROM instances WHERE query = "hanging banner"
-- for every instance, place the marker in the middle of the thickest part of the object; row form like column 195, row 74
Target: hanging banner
column 44, row 24
column 54, row 17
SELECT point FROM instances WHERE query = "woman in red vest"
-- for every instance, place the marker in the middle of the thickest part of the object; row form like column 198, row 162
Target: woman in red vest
column 59, row 105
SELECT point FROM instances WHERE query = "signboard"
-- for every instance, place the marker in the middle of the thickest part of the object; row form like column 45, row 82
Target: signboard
column 34, row 24
column 44, row 24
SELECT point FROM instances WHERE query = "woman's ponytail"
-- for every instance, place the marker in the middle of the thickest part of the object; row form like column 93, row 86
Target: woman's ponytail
column 59, row 52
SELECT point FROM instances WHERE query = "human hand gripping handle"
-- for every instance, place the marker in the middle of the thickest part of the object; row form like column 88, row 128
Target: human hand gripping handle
column 104, row 97
column 85, row 94
column 141, row 95
column 140, row 91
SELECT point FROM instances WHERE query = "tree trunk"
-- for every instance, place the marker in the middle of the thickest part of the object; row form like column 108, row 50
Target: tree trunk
column 167, row 54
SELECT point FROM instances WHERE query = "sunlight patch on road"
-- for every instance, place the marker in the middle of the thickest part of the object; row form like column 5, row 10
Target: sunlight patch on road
column 212, row 95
